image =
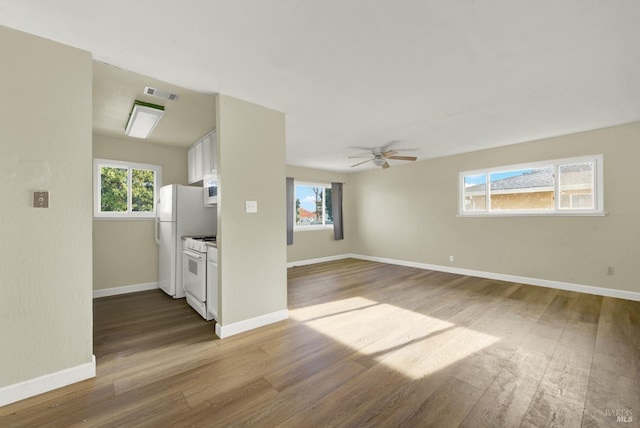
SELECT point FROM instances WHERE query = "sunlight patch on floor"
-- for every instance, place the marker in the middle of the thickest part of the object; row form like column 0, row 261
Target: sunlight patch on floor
column 412, row 343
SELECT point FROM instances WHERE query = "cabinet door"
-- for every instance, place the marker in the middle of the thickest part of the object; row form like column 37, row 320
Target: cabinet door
column 213, row 148
column 191, row 168
column 209, row 155
column 197, row 161
column 202, row 159
column 206, row 156
column 212, row 289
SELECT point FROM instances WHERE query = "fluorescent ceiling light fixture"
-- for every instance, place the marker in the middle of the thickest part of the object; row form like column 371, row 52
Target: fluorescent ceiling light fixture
column 143, row 119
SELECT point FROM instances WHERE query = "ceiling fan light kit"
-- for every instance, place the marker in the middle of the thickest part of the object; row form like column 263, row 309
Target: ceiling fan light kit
column 379, row 161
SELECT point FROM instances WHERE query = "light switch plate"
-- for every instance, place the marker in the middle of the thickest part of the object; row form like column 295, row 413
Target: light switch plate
column 251, row 206
column 41, row 199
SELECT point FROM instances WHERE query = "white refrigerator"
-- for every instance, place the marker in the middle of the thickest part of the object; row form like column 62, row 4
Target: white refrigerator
column 180, row 211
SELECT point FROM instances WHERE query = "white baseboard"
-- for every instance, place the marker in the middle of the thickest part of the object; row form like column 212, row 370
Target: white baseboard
column 126, row 289
column 569, row 286
column 588, row 289
column 318, row 260
column 19, row 391
column 223, row 331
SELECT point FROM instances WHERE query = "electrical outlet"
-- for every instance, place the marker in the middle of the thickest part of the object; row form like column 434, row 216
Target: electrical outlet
column 609, row 270
column 451, row 258
column 251, row 206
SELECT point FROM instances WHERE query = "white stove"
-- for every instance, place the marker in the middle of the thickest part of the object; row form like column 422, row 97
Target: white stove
column 200, row 275
column 198, row 243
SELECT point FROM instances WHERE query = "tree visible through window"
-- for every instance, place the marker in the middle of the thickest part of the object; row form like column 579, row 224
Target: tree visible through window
column 142, row 190
column 124, row 189
column 313, row 205
column 113, row 189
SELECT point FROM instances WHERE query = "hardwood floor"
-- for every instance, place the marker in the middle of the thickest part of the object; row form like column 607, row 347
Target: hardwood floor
column 367, row 344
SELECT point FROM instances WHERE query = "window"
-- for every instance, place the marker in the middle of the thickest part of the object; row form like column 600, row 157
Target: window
column 558, row 187
column 312, row 209
column 125, row 189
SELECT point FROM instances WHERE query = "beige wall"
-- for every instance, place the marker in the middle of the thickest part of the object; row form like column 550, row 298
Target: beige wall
column 315, row 244
column 45, row 144
column 125, row 251
column 408, row 212
column 252, row 247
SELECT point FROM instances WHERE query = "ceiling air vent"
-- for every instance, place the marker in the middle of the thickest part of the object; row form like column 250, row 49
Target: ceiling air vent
column 148, row 90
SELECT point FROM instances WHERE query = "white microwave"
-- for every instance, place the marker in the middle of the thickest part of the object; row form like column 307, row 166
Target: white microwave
column 210, row 186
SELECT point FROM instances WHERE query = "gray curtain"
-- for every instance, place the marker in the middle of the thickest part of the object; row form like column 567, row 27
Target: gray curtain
column 336, row 202
column 289, row 210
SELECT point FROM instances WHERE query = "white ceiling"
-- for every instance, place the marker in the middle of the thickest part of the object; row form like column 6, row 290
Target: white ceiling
column 441, row 76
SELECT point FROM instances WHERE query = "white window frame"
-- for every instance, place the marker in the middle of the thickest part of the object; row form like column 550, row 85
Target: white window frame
column 598, row 209
column 129, row 214
column 311, row 227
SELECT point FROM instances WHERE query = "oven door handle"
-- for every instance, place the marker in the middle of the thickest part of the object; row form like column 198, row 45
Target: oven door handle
column 193, row 254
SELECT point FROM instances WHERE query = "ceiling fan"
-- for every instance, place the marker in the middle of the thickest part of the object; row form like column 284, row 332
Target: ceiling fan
column 379, row 156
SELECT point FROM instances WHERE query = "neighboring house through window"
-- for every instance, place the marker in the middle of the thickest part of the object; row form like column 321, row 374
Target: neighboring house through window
column 559, row 187
column 125, row 189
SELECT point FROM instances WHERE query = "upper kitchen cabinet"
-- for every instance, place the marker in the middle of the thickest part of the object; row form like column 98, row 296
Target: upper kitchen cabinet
column 194, row 159
column 209, row 147
column 202, row 158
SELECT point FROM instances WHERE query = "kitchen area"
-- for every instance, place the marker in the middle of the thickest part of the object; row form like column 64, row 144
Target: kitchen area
column 185, row 232
column 206, row 230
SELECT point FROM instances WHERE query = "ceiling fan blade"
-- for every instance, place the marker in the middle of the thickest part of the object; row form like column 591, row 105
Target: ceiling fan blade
column 360, row 163
column 405, row 150
column 385, row 165
column 359, row 157
column 389, row 153
column 406, row 158
column 390, row 144
column 368, row 149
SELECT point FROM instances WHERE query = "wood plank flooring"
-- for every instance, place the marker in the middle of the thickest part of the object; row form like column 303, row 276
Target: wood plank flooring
column 367, row 344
